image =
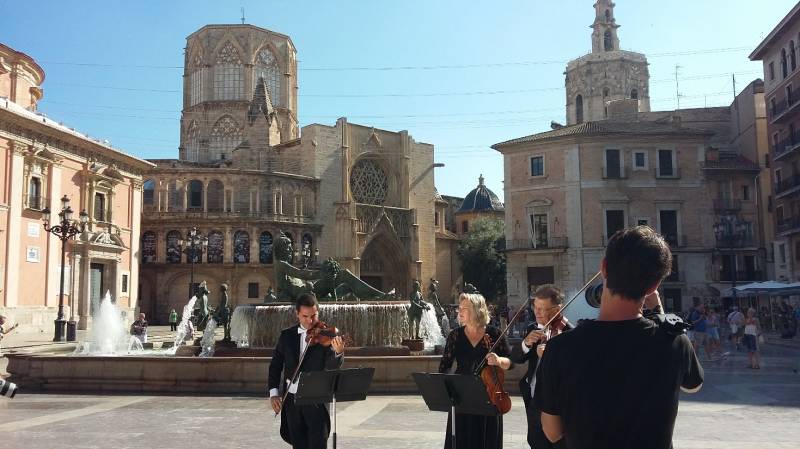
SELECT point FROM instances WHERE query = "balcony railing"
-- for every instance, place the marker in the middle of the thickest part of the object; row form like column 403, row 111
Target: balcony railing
column 35, row 202
column 787, row 184
column 786, row 146
column 528, row 244
column 782, row 107
column 741, row 276
column 152, row 215
column 661, row 173
column 736, row 242
column 789, row 225
column 727, row 205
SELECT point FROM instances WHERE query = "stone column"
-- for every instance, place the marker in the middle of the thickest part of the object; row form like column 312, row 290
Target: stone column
column 205, row 196
column 13, row 250
column 185, row 197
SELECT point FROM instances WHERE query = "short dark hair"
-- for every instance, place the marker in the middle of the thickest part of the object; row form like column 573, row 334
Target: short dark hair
column 551, row 292
column 306, row 300
column 636, row 259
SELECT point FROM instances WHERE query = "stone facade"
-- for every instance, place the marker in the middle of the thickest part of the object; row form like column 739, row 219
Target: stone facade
column 41, row 162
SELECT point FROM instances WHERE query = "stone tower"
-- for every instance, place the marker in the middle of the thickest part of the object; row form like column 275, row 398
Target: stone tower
column 605, row 74
column 224, row 67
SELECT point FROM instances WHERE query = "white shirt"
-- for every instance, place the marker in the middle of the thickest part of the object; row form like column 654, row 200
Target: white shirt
column 525, row 350
column 301, row 333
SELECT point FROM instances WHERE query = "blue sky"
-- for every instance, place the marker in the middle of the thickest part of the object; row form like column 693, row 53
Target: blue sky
column 113, row 68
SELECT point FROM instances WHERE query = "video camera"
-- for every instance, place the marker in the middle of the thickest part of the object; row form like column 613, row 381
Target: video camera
column 669, row 322
column 8, row 389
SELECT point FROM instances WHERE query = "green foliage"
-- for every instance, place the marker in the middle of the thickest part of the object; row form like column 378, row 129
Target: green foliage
column 483, row 261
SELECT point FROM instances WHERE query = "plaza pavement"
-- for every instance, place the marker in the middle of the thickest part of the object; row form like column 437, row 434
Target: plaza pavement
column 737, row 408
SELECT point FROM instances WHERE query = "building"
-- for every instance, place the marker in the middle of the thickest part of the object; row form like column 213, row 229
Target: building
column 691, row 174
column 480, row 202
column 778, row 52
column 245, row 172
column 43, row 161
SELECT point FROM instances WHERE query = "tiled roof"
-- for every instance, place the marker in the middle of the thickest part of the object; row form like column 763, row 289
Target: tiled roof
column 607, row 127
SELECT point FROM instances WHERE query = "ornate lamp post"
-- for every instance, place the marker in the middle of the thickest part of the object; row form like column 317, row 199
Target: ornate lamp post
column 193, row 246
column 304, row 255
column 64, row 230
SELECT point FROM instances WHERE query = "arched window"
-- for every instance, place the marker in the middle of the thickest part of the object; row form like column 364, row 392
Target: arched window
column 242, row 200
column 225, row 136
column 241, row 247
column 149, row 192
column 216, row 247
column 173, row 247
column 228, row 74
column 195, row 194
column 196, row 81
column 784, row 68
column 214, row 196
column 192, row 143
column 149, row 247
column 579, row 109
column 265, row 248
column 634, row 94
column 174, row 196
column 267, row 67
column 608, row 41
column 368, row 182
column 195, row 253
column 608, row 16
column 792, row 56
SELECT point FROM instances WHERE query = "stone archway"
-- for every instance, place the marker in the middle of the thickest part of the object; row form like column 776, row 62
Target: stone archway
column 384, row 265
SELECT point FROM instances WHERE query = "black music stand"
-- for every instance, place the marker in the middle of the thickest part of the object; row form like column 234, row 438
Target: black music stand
column 342, row 385
column 454, row 393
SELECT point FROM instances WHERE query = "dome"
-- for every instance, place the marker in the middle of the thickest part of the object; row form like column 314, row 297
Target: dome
column 481, row 199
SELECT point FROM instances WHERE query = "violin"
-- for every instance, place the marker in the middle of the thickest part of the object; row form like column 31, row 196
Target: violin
column 493, row 378
column 322, row 334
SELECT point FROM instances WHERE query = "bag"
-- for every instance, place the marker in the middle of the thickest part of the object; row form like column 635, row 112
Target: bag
column 761, row 339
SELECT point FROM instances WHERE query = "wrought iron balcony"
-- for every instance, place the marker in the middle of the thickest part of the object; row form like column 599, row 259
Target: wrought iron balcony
column 787, row 185
column 35, row 202
column 786, row 146
column 736, row 242
column 789, row 225
column 543, row 244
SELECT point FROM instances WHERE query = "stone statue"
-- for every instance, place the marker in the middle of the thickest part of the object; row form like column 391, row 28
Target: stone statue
column 270, row 296
column 441, row 314
column 223, row 313
column 201, row 306
column 330, row 281
column 415, row 311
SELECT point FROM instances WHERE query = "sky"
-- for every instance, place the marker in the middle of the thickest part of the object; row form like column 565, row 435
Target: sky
column 461, row 75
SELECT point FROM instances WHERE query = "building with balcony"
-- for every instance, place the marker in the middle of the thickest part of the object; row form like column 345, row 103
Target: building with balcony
column 691, row 174
column 245, row 172
column 779, row 53
column 42, row 161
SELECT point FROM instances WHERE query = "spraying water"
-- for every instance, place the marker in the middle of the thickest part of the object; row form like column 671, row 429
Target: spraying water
column 183, row 326
column 207, row 343
column 108, row 334
column 430, row 331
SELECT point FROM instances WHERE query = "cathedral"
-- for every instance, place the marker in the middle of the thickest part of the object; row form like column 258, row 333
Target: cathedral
column 246, row 172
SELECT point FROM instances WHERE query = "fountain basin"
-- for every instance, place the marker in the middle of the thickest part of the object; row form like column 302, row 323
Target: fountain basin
column 179, row 375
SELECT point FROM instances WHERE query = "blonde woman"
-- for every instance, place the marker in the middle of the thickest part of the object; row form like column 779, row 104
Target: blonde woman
column 466, row 347
column 752, row 329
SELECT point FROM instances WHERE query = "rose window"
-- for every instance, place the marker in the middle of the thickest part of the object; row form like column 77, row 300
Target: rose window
column 368, row 183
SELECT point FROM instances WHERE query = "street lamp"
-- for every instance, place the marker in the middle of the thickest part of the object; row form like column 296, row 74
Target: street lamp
column 64, row 230
column 193, row 246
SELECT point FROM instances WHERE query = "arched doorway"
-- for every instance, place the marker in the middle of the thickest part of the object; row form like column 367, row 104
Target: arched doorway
column 384, row 265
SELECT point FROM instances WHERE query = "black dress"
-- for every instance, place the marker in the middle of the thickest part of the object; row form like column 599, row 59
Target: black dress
column 472, row 431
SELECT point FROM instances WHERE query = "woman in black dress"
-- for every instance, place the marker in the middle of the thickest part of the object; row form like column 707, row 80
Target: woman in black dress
column 466, row 347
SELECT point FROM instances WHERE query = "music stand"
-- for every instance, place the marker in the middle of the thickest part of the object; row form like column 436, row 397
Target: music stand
column 330, row 386
column 454, row 393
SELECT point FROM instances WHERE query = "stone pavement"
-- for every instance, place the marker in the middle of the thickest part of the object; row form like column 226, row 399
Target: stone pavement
column 737, row 408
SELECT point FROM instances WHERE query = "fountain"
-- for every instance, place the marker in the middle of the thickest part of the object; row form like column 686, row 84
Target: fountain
column 207, row 342
column 108, row 336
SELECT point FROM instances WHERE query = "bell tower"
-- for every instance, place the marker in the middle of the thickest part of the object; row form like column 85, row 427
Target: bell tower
column 604, row 36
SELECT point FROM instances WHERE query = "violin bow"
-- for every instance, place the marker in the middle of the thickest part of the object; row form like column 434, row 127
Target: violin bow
column 294, row 378
column 522, row 307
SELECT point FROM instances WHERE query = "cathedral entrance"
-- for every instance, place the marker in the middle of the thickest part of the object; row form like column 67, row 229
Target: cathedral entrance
column 385, row 266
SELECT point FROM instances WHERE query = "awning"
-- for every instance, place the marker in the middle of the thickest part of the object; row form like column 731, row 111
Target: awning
column 764, row 288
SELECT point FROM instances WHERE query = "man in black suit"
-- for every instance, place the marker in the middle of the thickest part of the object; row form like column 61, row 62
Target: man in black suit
column 302, row 426
column 547, row 301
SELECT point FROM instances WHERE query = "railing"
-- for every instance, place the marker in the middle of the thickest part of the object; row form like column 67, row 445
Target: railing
column 151, row 215
column 727, row 204
column 786, row 145
column 787, row 184
column 660, row 173
column 741, row 276
column 528, row 244
column 675, row 276
column 736, row 242
column 781, row 107
column 789, row 224
column 35, row 202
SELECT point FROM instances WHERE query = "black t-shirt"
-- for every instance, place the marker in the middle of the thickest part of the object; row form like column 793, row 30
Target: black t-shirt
column 615, row 384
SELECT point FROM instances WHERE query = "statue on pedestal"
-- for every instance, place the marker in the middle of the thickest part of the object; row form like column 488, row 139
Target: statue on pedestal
column 416, row 309
column 441, row 314
column 201, row 306
column 223, row 313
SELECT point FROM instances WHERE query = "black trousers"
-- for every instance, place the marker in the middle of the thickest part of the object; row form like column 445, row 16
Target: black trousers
column 305, row 426
column 536, row 437
column 173, row 326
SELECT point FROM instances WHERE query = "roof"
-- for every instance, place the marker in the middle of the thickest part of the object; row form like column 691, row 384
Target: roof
column 240, row 25
column 606, row 127
column 481, row 199
column 775, row 34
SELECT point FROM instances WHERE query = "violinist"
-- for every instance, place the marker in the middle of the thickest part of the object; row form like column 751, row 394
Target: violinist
column 467, row 347
column 547, row 302
column 302, row 426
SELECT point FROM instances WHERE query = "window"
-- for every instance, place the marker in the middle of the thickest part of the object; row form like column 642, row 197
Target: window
column 196, row 81
column 267, row 68
column 779, row 214
column 173, row 247
column 124, row 286
column 745, row 193
column 608, row 41
column 615, row 220
column 789, row 94
column 640, row 160
column 634, row 94
column 225, row 136
column 193, row 143
column 608, row 16
column 241, row 247
column 784, row 71
column 539, row 230
column 537, row 166
column 149, row 247
column 774, row 110
column 464, row 227
column 196, row 194
column 99, row 207
column 149, row 192
column 579, row 109
column 228, row 74
column 792, row 56
column 35, row 200
column 668, row 222
column 782, row 253
column 771, row 71
column 265, row 248
column 252, row 290
column 216, row 247
column 778, row 178
column 665, row 164
column 613, row 166
column 642, row 222
column 436, row 219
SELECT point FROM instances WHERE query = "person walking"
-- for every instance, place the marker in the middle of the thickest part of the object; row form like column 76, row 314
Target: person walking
column 752, row 330
column 173, row 320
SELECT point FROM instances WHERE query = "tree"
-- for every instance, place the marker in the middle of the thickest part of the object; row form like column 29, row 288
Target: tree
column 483, row 261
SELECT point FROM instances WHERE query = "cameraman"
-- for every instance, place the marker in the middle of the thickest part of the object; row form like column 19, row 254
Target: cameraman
column 614, row 382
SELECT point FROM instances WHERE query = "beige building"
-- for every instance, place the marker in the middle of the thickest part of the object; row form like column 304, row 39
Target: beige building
column 690, row 174
column 42, row 161
column 362, row 195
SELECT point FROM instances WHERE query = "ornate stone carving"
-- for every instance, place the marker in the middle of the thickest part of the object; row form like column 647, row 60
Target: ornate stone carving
column 368, row 182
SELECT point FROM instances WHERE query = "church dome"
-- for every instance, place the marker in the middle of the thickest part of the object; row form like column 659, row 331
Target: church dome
column 481, row 199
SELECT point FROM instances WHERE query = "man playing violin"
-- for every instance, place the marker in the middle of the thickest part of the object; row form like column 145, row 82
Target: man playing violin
column 302, row 426
column 547, row 301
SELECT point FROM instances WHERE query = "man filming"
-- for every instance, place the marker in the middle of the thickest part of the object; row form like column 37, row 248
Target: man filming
column 614, row 382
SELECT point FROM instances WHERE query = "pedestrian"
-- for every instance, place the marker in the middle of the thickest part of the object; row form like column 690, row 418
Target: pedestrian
column 139, row 329
column 173, row 320
column 736, row 323
column 712, row 331
column 699, row 321
column 752, row 331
